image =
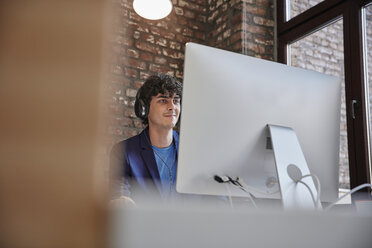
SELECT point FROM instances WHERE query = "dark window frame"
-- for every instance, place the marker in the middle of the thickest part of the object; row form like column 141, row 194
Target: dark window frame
column 314, row 19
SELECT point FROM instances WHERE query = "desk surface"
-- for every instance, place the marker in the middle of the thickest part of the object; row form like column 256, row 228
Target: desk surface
column 167, row 226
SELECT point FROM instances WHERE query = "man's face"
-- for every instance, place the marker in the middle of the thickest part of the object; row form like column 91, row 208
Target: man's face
column 164, row 111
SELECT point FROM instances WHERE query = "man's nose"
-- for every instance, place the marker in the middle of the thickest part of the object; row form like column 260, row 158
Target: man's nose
column 171, row 105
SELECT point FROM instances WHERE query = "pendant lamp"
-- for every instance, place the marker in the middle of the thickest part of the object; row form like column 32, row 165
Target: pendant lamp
column 152, row 9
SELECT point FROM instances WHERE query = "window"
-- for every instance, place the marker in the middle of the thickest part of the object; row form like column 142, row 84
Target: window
column 294, row 34
column 323, row 51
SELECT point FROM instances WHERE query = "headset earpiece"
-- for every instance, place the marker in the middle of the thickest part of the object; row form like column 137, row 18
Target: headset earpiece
column 140, row 108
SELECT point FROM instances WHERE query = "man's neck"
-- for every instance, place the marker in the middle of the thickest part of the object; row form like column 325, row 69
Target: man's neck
column 160, row 137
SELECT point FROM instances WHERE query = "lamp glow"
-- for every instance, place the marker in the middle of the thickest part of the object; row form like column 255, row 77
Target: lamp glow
column 152, row 9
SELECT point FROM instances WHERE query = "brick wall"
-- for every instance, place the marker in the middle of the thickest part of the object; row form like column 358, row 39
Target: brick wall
column 299, row 6
column 245, row 27
column 142, row 47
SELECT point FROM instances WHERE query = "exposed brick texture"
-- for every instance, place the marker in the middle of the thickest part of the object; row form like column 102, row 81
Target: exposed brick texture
column 245, row 27
column 299, row 6
column 141, row 47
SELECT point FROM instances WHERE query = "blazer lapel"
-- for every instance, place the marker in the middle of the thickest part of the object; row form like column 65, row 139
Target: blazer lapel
column 149, row 159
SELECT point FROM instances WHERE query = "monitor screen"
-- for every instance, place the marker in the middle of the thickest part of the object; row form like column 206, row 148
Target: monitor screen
column 228, row 101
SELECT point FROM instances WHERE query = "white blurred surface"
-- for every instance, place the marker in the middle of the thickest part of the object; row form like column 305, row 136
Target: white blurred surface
column 205, row 226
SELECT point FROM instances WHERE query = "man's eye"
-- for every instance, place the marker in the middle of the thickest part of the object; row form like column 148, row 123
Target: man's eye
column 163, row 101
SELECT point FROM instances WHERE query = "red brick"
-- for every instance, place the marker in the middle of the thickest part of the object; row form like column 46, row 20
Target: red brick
column 148, row 37
column 178, row 11
column 236, row 19
column 263, row 21
column 174, row 63
column 144, row 75
column 201, row 2
column 238, row 27
column 189, row 14
column 144, row 46
column 213, row 16
column 224, row 7
column 161, row 42
column 158, row 68
column 255, row 10
column 130, row 72
column 160, row 60
column 201, row 18
column 227, row 33
column 138, row 84
column 155, row 30
column 236, row 37
column 182, row 21
column 174, row 45
column 199, row 35
column 162, row 24
column 163, row 33
column 264, row 3
column 132, row 53
column 237, row 47
column 196, row 25
column 254, row 47
column 134, row 16
column 187, row 32
column 263, row 41
column 255, row 29
column 173, row 54
column 146, row 56
column 179, row 74
column 135, row 26
column 192, row 6
column 134, row 63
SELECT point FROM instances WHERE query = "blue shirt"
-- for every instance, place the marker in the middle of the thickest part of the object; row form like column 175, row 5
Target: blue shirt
column 166, row 161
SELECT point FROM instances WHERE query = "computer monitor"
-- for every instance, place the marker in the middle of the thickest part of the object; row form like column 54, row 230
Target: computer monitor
column 228, row 101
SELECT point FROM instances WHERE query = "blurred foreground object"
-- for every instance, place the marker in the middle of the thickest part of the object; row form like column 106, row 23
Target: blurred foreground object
column 208, row 226
column 50, row 66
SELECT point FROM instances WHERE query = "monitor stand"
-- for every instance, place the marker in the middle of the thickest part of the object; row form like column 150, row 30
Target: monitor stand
column 287, row 150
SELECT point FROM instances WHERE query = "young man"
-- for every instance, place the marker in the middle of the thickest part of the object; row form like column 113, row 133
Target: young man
column 148, row 161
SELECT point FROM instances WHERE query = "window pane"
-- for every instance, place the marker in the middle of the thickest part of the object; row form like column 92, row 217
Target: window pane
column 323, row 51
column 368, row 56
column 296, row 7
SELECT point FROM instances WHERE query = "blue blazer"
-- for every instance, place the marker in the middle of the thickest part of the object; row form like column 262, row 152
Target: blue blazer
column 134, row 160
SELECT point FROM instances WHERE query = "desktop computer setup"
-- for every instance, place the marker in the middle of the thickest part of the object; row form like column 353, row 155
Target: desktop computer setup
column 270, row 130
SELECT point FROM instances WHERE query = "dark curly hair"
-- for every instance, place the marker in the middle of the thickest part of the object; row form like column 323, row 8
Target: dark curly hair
column 161, row 83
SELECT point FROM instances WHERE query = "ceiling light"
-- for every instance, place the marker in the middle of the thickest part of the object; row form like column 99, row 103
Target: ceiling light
column 152, row 9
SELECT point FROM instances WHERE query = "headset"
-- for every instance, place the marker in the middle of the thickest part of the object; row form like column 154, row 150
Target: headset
column 141, row 109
